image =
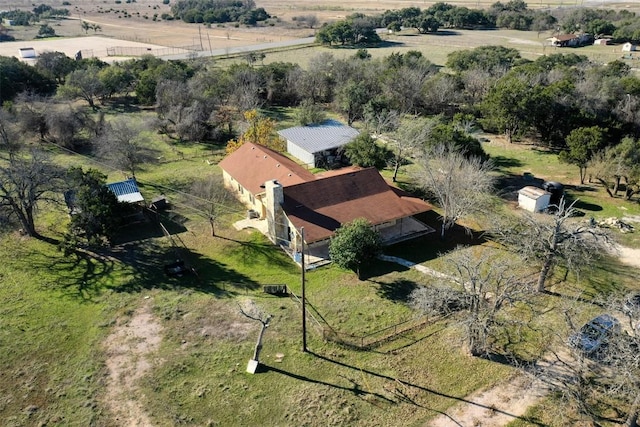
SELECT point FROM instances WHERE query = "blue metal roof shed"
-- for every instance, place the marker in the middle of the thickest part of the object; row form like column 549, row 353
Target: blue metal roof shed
column 126, row 191
column 304, row 142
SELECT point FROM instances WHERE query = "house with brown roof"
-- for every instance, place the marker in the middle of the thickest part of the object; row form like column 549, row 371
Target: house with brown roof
column 288, row 198
column 570, row 40
column 247, row 169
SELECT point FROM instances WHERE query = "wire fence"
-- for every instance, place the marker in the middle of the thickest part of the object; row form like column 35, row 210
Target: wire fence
column 364, row 341
column 140, row 51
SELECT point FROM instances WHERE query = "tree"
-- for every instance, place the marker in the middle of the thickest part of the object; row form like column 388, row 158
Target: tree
column 26, row 180
column 115, row 79
column 309, row 113
column 582, row 143
column 84, row 84
column 354, row 245
column 124, row 143
column 85, row 26
column 213, row 199
column 507, row 106
column 410, row 135
column 46, row 30
column 17, row 77
column 260, row 130
column 56, row 65
column 550, row 240
column 365, row 152
column 352, row 98
column 494, row 59
column 459, row 184
column 481, row 288
column 95, row 210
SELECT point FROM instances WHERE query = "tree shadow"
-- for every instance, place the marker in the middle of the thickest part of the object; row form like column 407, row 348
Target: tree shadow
column 355, row 388
column 408, row 384
column 85, row 275
column 397, row 291
column 121, row 105
column 430, row 246
column 255, row 252
column 79, row 275
column 279, row 114
column 148, row 229
column 501, row 163
column 148, row 260
column 592, row 207
column 508, row 185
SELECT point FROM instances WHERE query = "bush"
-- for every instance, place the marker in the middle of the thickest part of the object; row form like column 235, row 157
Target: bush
column 165, row 1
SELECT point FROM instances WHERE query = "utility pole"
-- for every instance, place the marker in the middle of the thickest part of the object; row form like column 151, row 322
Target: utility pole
column 304, row 308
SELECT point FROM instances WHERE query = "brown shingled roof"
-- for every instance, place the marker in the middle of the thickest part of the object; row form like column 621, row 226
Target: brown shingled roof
column 322, row 205
column 252, row 165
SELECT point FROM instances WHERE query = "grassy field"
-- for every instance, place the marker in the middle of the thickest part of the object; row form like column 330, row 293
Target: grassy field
column 56, row 312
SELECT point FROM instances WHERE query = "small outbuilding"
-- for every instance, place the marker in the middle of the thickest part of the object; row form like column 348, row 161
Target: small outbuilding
column 27, row 53
column 126, row 191
column 629, row 47
column 533, row 199
column 316, row 145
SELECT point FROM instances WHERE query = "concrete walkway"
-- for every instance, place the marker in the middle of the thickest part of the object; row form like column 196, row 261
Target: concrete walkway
column 421, row 268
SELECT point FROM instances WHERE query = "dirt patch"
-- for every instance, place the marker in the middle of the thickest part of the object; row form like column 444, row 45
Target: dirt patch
column 128, row 350
column 629, row 256
column 494, row 407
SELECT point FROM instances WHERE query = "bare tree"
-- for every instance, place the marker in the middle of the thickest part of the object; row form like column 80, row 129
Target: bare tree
column 27, row 179
column 64, row 124
column 549, row 240
column 586, row 380
column 9, row 141
column 124, row 143
column 481, row 288
column 246, row 84
column 410, row 135
column 459, row 184
column 213, row 198
column 252, row 312
column 378, row 122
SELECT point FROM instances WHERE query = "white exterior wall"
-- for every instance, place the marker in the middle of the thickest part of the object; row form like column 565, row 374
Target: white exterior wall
column 300, row 154
column 27, row 52
column 628, row 47
column 241, row 193
column 533, row 205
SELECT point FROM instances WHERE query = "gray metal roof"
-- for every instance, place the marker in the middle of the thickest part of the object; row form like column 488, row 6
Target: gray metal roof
column 126, row 191
column 319, row 137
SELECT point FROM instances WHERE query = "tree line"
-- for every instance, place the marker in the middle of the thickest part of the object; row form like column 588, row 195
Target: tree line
column 566, row 102
column 620, row 26
column 219, row 11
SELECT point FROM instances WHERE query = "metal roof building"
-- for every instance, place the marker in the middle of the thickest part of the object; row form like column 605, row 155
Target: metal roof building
column 307, row 142
column 126, row 191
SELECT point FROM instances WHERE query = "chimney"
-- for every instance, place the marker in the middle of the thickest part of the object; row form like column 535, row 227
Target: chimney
column 275, row 216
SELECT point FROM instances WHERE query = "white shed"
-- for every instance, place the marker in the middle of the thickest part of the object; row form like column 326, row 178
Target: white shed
column 27, row 52
column 628, row 47
column 533, row 199
column 311, row 143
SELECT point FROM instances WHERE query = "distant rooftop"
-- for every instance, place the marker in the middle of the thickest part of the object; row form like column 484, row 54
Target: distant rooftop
column 319, row 137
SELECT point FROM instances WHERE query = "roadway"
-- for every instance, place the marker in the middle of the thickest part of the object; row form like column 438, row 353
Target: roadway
column 238, row 50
